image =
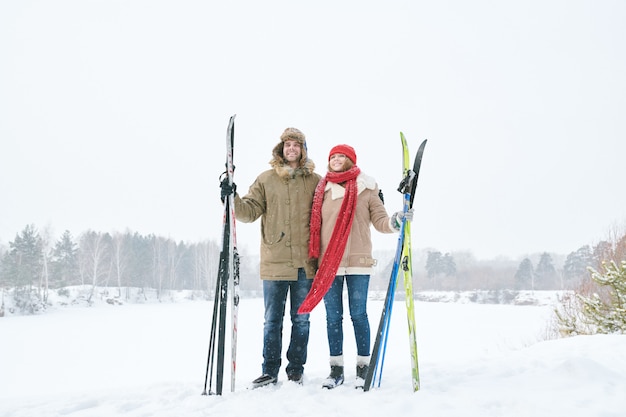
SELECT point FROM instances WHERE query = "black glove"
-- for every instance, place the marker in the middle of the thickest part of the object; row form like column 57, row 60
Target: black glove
column 382, row 198
column 227, row 189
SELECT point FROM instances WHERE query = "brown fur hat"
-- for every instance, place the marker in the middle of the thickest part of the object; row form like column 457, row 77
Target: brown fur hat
column 291, row 133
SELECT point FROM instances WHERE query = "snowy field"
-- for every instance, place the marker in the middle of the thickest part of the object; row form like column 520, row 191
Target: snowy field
column 149, row 360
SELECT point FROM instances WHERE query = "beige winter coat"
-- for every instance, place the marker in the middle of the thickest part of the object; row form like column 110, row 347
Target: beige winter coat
column 357, row 257
column 282, row 197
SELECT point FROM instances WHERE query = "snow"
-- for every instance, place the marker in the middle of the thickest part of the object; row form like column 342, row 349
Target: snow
column 149, row 360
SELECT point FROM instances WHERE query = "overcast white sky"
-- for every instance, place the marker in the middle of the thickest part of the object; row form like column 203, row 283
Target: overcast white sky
column 113, row 114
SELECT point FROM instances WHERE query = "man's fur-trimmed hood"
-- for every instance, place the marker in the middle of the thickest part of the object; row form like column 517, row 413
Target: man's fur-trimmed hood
column 283, row 170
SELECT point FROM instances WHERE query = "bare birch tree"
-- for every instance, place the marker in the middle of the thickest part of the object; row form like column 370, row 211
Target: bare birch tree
column 119, row 259
column 93, row 253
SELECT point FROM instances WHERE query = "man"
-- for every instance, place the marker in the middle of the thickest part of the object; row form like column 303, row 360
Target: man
column 282, row 197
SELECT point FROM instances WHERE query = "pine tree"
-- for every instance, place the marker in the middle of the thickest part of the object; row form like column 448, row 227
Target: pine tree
column 64, row 262
column 438, row 264
column 22, row 267
column 546, row 276
column 524, row 277
column 606, row 309
column 432, row 264
column 575, row 267
column 602, row 252
column 448, row 266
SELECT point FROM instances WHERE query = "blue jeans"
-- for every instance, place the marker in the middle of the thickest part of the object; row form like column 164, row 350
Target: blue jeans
column 275, row 298
column 357, row 302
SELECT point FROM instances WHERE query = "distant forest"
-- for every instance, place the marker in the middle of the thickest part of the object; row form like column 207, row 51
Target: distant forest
column 32, row 265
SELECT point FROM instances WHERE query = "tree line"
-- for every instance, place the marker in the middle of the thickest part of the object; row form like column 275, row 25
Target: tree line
column 32, row 265
column 461, row 272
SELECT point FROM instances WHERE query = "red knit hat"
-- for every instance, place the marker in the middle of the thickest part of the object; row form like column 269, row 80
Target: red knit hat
column 346, row 150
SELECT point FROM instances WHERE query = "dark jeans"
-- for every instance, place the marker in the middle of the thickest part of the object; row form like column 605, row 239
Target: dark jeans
column 357, row 302
column 275, row 298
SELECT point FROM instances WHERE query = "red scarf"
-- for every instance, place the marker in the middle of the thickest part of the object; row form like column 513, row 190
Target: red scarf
column 337, row 244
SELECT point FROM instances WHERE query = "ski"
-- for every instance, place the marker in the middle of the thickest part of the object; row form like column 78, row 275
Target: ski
column 234, row 254
column 227, row 278
column 401, row 260
column 407, row 268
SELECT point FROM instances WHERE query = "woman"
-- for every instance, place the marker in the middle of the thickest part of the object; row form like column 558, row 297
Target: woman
column 345, row 204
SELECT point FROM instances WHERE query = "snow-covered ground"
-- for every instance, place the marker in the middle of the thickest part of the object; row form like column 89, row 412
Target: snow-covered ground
column 476, row 360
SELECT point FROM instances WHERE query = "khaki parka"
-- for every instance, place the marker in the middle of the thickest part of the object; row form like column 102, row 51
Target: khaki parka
column 282, row 198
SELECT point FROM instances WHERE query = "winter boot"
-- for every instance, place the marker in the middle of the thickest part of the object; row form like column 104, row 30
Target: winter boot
column 336, row 373
column 262, row 381
column 335, row 378
column 362, row 365
column 295, row 377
